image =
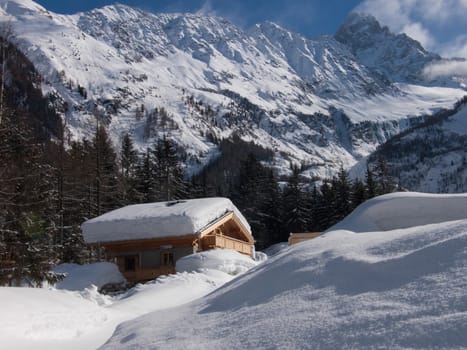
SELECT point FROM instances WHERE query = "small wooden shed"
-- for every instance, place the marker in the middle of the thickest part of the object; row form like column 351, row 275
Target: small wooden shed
column 146, row 240
column 295, row 238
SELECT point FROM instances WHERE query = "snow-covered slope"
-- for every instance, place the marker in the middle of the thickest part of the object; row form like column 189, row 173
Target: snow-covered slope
column 310, row 101
column 404, row 210
column 74, row 318
column 398, row 289
column 430, row 157
column 35, row 318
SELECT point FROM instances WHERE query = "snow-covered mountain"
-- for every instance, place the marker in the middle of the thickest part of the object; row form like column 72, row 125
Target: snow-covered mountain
column 321, row 102
column 397, row 56
column 429, row 157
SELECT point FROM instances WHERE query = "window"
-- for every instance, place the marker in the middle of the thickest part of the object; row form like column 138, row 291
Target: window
column 130, row 263
column 167, row 258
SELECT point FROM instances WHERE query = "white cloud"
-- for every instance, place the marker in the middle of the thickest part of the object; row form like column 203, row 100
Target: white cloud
column 207, row 9
column 438, row 10
column 457, row 47
column 418, row 32
column 439, row 25
column 446, row 68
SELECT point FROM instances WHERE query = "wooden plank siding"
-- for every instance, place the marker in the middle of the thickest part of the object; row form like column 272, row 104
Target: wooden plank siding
column 225, row 242
column 148, row 244
column 147, row 274
column 295, row 238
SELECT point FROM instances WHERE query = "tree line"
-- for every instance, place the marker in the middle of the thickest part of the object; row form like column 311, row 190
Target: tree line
column 276, row 208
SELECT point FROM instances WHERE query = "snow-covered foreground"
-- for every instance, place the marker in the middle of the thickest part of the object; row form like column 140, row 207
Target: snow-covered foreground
column 374, row 281
column 397, row 288
column 76, row 317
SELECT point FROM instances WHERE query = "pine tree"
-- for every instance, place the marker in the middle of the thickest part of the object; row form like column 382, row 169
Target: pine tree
column 247, row 195
column 342, row 193
column 271, row 209
column 324, row 207
column 27, row 204
column 128, row 166
column 384, row 181
column 295, row 207
column 145, row 179
column 257, row 195
column 105, row 172
column 371, row 189
column 168, row 171
column 358, row 193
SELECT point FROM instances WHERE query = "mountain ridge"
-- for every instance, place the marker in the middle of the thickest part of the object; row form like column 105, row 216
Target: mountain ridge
column 310, row 101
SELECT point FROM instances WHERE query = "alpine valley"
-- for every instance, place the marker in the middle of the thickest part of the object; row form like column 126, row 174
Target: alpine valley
column 320, row 103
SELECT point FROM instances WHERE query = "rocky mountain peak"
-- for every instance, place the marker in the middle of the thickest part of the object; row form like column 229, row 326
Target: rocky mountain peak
column 360, row 31
column 399, row 57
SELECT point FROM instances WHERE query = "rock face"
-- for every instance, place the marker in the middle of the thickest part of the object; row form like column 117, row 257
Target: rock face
column 397, row 56
column 198, row 79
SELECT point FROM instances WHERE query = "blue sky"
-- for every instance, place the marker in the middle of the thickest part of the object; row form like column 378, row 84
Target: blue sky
column 309, row 17
column 440, row 25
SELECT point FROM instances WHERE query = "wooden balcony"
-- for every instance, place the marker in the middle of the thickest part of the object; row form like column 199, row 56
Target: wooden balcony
column 220, row 241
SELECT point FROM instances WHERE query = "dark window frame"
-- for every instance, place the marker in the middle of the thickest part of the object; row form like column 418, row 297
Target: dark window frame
column 167, row 258
column 130, row 262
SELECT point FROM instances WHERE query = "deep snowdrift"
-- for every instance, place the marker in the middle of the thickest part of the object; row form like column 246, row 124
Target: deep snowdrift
column 404, row 209
column 227, row 261
column 401, row 288
column 79, row 317
column 79, row 277
column 35, row 318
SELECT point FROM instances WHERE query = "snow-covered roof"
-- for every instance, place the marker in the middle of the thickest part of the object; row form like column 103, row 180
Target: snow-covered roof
column 162, row 219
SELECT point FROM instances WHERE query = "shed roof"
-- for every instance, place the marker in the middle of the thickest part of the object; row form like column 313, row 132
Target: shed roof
column 161, row 219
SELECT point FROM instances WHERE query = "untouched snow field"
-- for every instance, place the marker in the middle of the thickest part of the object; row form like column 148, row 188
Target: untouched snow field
column 74, row 318
column 392, row 275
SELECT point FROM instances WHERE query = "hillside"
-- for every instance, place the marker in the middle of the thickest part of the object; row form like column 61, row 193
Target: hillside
column 429, row 157
column 319, row 103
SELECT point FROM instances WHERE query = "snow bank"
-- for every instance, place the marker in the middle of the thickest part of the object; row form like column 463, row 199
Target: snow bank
column 79, row 277
column 58, row 319
column 404, row 209
column 225, row 260
column 401, row 289
column 275, row 248
column 35, row 318
column 162, row 219
column 169, row 291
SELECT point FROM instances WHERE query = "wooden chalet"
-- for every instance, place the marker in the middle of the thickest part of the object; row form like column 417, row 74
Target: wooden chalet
column 146, row 240
column 295, row 238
